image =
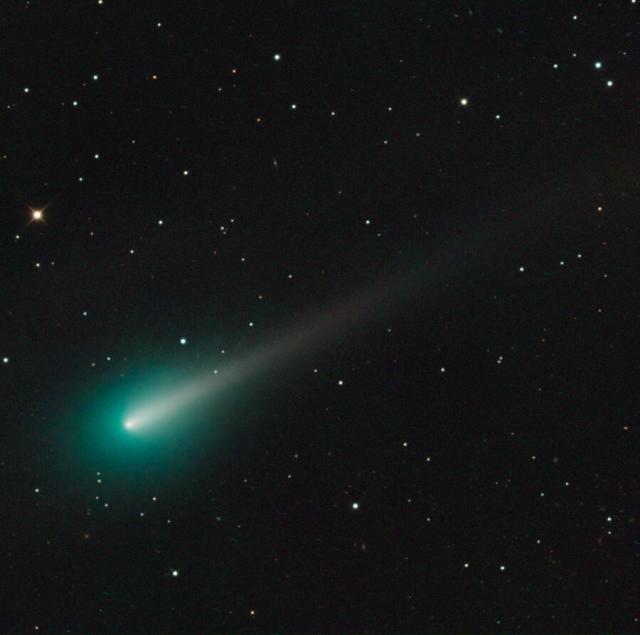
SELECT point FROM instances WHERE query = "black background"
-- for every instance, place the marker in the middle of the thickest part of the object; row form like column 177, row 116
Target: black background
column 469, row 465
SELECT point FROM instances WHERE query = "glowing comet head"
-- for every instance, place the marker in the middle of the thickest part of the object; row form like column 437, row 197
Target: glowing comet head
column 129, row 424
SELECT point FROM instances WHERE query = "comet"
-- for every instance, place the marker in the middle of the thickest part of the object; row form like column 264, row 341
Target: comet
column 456, row 255
column 284, row 345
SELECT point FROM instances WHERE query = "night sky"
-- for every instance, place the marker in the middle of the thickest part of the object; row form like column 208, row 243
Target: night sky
column 427, row 213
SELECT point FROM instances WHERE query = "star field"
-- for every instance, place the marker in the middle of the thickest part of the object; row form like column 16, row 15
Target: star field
column 187, row 185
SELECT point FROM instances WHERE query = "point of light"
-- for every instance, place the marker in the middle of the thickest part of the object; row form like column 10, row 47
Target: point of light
column 464, row 101
column 129, row 424
column 37, row 215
